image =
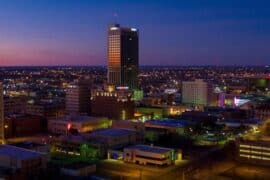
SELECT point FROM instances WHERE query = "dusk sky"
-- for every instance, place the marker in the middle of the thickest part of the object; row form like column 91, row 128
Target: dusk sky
column 172, row 32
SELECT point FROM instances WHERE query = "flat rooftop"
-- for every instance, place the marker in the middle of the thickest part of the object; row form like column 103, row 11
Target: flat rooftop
column 153, row 149
column 28, row 145
column 245, row 121
column 114, row 132
column 171, row 122
column 79, row 118
column 18, row 153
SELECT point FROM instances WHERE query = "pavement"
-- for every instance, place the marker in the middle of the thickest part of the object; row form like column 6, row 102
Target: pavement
column 243, row 171
column 135, row 171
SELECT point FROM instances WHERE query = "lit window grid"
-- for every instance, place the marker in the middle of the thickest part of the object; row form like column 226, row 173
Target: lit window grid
column 254, row 152
column 114, row 50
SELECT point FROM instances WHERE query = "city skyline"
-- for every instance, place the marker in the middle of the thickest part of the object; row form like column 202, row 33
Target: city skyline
column 171, row 32
column 134, row 89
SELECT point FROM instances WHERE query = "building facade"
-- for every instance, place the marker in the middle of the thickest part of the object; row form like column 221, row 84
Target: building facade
column 123, row 56
column 78, row 123
column 23, row 125
column 138, row 127
column 21, row 159
column 2, row 135
column 113, row 138
column 144, row 154
column 262, row 111
column 46, row 110
column 254, row 152
column 13, row 105
column 117, row 104
column 196, row 92
column 78, row 97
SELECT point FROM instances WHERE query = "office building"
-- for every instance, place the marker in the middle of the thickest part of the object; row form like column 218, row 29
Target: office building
column 136, row 126
column 13, row 105
column 73, row 146
column 196, row 92
column 144, row 154
column 254, row 152
column 78, row 97
column 123, row 56
column 77, row 123
column 262, row 111
column 113, row 138
column 174, row 126
column 2, row 134
column 48, row 110
column 117, row 104
column 21, row 125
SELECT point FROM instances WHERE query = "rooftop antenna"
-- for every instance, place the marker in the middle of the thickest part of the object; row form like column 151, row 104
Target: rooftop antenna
column 115, row 15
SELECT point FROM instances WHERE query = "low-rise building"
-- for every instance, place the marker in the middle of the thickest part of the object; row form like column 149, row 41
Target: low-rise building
column 144, row 154
column 136, row 126
column 26, row 161
column 113, row 138
column 169, row 125
column 74, row 146
column 254, row 152
column 33, row 146
column 78, row 123
column 151, row 112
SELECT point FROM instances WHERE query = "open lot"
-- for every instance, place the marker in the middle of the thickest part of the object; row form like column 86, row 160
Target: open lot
column 120, row 170
column 243, row 171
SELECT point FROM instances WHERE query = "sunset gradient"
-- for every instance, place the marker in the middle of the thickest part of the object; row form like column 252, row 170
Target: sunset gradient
column 172, row 32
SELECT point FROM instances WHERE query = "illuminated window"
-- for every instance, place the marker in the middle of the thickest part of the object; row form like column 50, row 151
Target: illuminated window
column 243, row 155
column 245, row 146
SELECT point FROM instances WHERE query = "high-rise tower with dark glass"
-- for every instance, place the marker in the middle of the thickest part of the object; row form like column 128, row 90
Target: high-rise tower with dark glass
column 2, row 130
column 123, row 56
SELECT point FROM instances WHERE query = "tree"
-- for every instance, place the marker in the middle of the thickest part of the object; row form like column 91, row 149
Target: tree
column 86, row 151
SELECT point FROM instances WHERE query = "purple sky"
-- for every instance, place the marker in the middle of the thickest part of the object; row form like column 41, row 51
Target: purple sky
column 195, row 32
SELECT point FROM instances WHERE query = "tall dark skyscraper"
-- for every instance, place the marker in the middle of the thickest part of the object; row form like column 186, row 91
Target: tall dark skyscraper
column 123, row 56
column 2, row 135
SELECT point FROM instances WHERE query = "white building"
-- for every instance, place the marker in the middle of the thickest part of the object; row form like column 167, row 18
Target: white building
column 144, row 154
column 79, row 123
column 196, row 92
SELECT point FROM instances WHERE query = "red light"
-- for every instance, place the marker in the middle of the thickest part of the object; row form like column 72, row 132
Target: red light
column 122, row 88
column 68, row 126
